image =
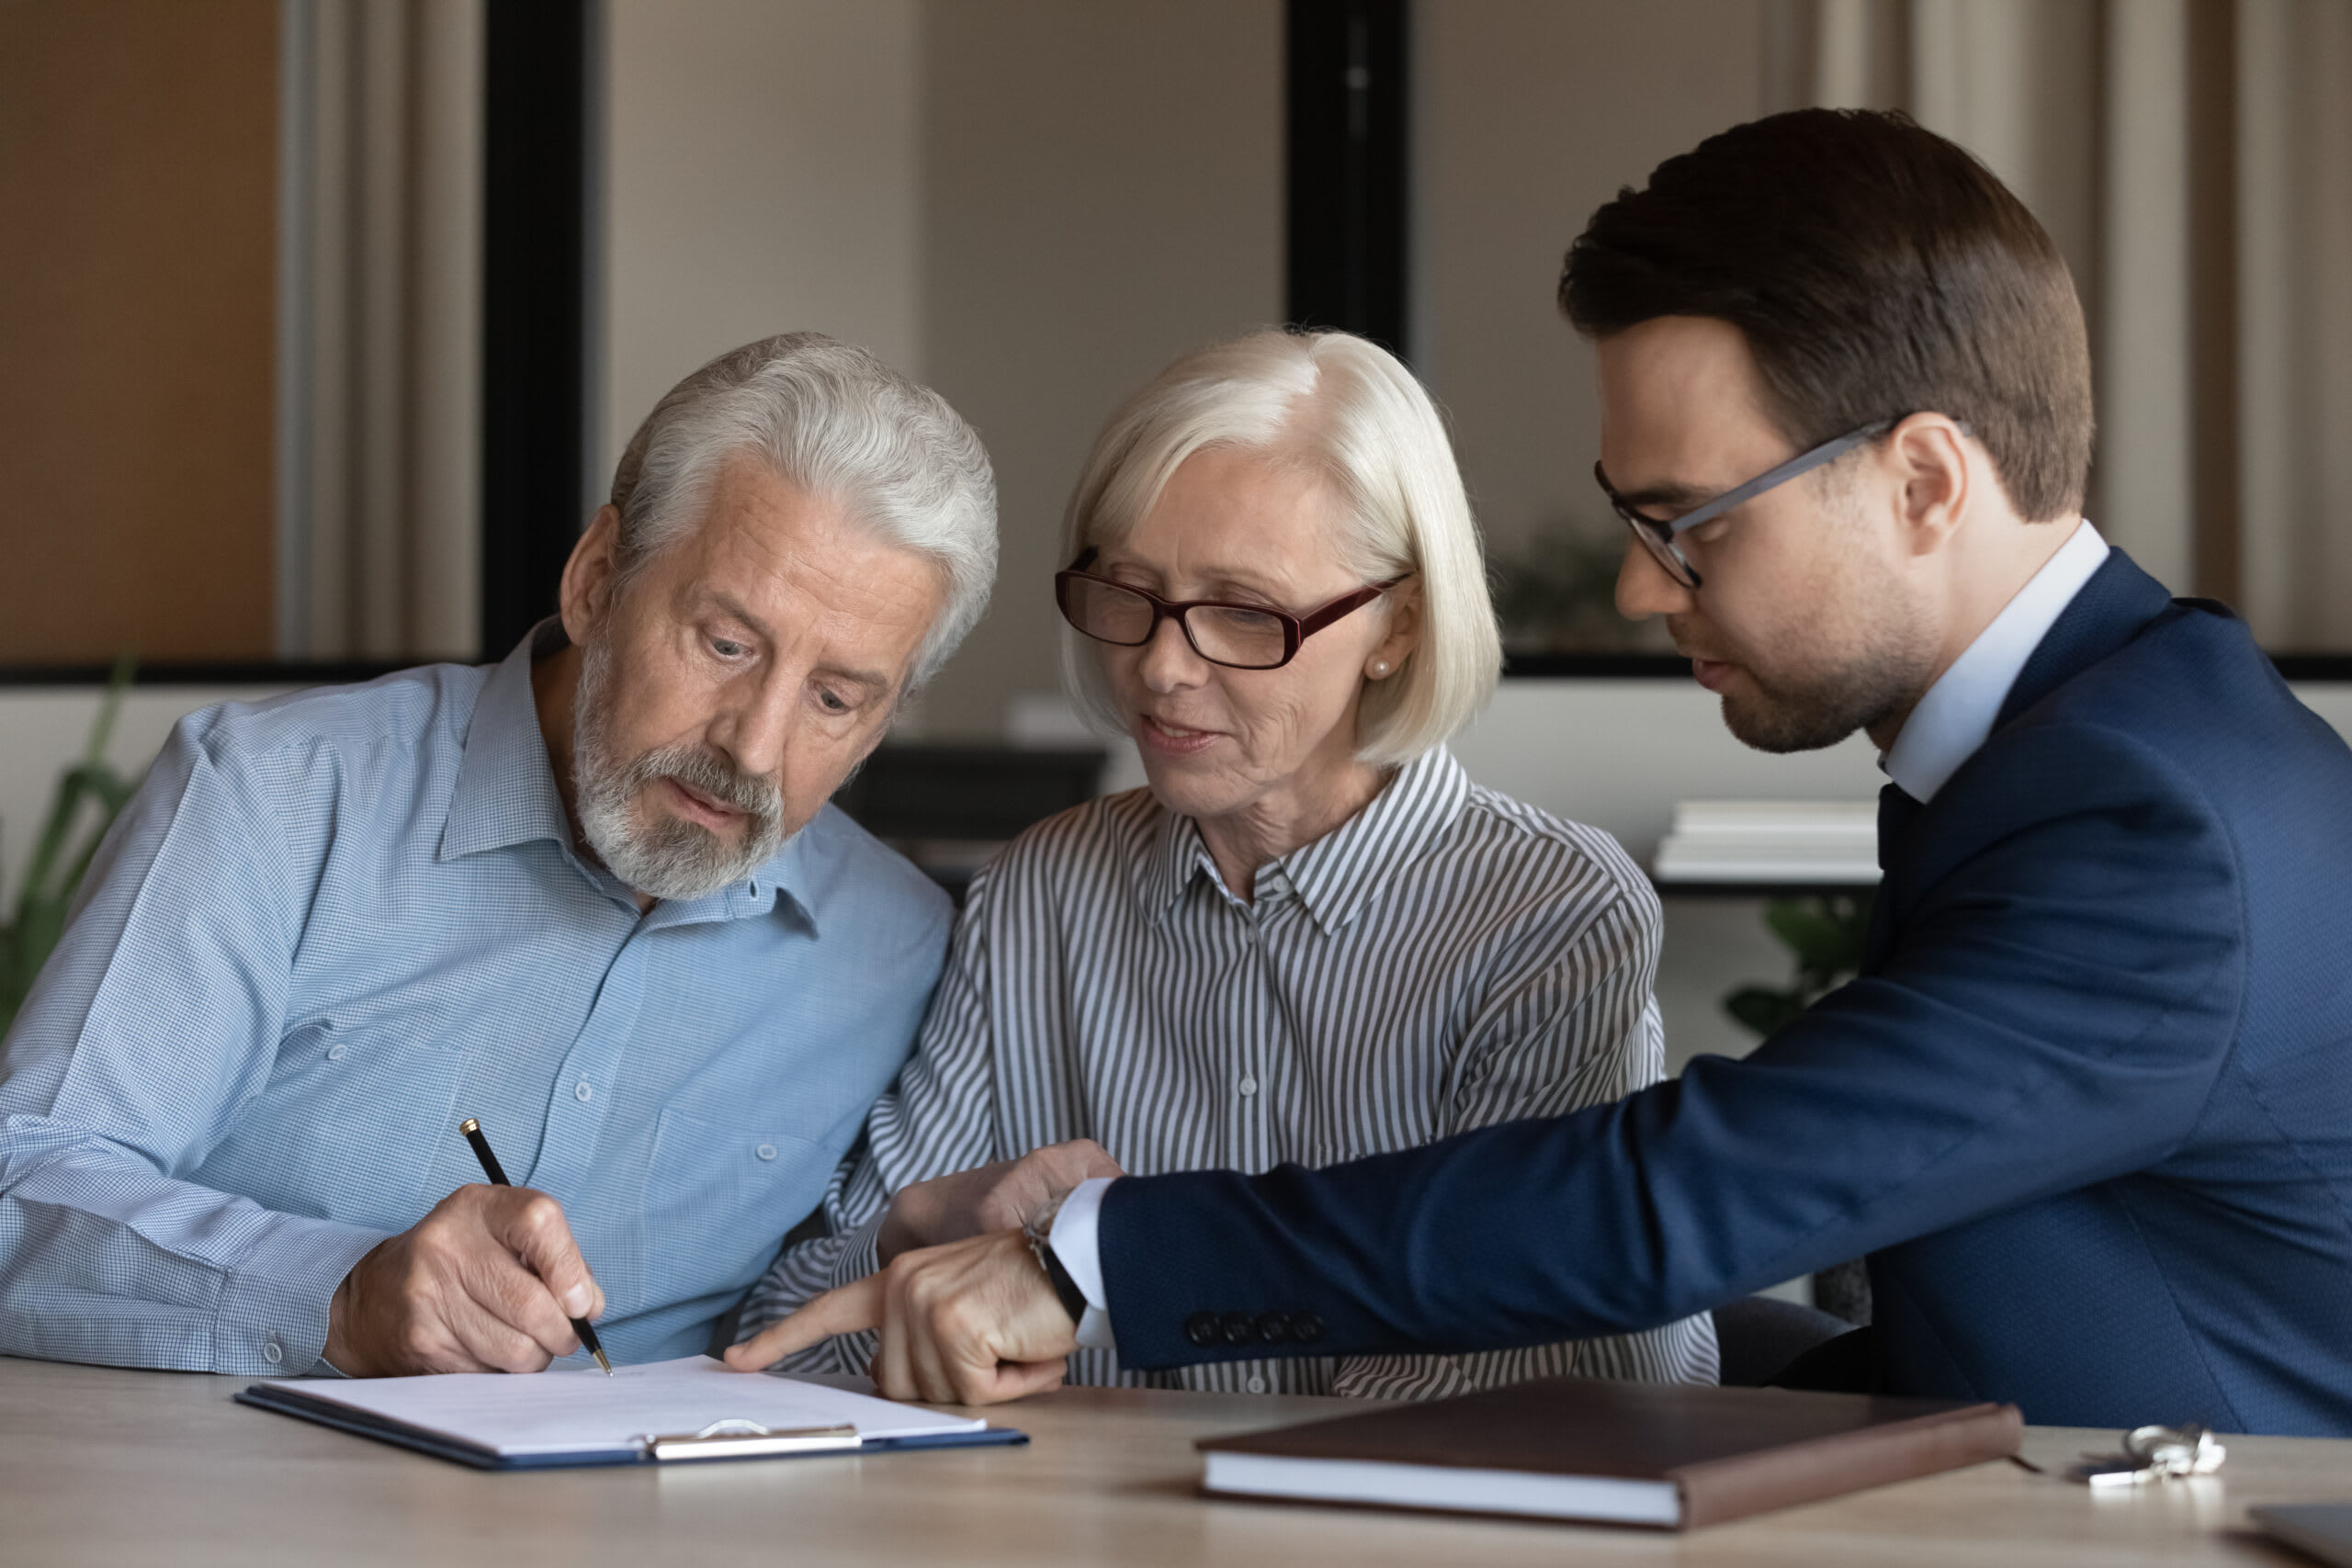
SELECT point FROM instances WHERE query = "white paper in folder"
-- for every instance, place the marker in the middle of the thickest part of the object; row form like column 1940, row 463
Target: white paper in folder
column 583, row 1413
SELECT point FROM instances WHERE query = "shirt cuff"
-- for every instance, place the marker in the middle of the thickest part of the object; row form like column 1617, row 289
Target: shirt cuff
column 1076, row 1247
column 273, row 1313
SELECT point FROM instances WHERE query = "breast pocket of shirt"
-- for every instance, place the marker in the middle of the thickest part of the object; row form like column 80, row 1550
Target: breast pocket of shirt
column 334, row 1088
column 718, row 1200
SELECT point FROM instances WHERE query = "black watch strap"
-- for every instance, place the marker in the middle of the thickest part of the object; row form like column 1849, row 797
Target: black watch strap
column 1073, row 1300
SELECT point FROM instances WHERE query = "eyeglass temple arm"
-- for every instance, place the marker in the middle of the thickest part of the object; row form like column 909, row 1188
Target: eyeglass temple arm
column 1349, row 606
column 1805, row 462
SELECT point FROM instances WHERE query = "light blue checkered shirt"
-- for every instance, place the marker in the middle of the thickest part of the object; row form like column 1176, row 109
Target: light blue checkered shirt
column 331, row 927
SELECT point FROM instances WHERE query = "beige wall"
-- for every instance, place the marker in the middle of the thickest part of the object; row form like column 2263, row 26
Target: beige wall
column 1032, row 204
column 762, row 174
column 1528, row 114
column 1104, row 192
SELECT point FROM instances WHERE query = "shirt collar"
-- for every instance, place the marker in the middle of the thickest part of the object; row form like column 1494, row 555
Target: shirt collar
column 782, row 882
column 1338, row 875
column 1959, row 711
column 507, row 794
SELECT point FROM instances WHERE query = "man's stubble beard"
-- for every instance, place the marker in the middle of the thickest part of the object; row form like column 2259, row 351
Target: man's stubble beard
column 1882, row 673
column 672, row 859
column 1819, row 713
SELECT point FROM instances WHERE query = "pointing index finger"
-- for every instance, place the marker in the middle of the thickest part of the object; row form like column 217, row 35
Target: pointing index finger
column 854, row 1306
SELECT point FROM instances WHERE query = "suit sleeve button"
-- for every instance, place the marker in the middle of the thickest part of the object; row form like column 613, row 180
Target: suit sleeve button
column 1241, row 1328
column 1306, row 1327
column 1273, row 1327
column 1203, row 1329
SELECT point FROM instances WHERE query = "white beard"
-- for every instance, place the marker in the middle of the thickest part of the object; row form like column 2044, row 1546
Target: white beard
column 672, row 859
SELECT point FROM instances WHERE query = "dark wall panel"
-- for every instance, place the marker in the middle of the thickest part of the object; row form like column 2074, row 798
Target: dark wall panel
column 534, row 308
column 1346, row 154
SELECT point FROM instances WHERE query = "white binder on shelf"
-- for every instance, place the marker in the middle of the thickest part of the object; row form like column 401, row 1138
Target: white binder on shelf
column 1826, row 842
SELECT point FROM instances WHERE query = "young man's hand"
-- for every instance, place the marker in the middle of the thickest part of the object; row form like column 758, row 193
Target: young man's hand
column 487, row 1282
column 1003, row 1196
column 975, row 1322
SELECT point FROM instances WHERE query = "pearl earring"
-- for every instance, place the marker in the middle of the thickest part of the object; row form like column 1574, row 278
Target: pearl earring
column 1379, row 668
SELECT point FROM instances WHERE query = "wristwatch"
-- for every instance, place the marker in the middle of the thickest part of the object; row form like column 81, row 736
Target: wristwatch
column 1039, row 1230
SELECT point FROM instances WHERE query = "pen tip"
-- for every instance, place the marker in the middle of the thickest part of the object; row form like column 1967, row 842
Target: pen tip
column 604, row 1363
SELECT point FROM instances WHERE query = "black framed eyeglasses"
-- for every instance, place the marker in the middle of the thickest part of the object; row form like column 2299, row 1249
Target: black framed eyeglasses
column 1238, row 636
column 1658, row 534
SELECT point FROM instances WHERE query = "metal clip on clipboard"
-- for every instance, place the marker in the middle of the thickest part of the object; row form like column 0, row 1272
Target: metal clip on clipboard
column 747, row 1439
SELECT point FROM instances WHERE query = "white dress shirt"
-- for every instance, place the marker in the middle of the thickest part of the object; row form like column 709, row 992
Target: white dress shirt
column 1951, row 722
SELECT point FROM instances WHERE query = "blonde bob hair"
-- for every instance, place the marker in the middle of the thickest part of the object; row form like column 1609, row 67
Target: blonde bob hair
column 1346, row 406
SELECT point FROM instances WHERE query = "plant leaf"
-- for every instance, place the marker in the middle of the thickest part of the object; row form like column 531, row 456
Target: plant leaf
column 26, row 945
column 1762, row 1009
column 1819, row 939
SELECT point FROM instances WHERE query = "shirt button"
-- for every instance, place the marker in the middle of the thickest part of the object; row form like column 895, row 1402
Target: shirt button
column 580, row 1091
column 1257, row 1385
column 1247, row 1087
column 765, row 1151
column 271, row 1353
column 335, row 1052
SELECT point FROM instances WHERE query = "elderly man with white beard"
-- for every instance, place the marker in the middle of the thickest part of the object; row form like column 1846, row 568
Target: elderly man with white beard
column 592, row 895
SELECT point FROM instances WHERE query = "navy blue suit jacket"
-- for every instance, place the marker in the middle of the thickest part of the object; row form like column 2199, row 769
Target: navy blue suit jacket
column 2087, row 1109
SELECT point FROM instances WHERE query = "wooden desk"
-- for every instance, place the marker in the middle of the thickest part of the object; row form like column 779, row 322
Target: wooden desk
column 105, row 1466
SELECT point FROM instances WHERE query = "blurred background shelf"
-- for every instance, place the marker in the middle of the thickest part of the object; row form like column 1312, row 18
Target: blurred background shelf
column 950, row 808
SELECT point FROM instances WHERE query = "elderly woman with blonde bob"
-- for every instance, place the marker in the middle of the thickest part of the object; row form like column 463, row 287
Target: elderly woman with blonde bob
column 1312, row 938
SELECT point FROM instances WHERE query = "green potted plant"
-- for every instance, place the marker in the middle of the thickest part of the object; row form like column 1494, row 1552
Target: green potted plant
column 1825, row 936
column 69, row 837
column 1556, row 593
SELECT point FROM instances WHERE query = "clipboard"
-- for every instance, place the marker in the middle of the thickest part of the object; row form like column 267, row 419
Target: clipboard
column 725, row 1440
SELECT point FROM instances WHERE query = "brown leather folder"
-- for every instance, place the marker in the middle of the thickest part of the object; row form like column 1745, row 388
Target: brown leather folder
column 1670, row 1456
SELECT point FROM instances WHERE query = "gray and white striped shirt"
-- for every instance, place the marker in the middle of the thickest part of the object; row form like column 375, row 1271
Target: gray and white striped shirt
column 1448, row 958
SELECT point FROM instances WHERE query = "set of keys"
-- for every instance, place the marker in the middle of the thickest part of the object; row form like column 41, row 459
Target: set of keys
column 2153, row 1454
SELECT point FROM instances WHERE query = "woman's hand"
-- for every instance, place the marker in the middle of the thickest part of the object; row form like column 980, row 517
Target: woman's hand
column 973, row 1323
column 1000, row 1197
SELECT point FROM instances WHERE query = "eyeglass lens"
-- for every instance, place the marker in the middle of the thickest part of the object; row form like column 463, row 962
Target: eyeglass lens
column 1249, row 639
column 1665, row 554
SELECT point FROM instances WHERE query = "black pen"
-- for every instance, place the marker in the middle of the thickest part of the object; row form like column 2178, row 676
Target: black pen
column 489, row 1167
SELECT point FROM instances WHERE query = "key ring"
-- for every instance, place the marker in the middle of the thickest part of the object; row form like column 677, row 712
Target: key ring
column 2155, row 1454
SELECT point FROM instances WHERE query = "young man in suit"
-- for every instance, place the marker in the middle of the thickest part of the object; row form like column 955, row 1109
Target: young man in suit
column 2085, row 1108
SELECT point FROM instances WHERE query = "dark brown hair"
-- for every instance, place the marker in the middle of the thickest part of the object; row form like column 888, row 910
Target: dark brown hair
column 1875, row 270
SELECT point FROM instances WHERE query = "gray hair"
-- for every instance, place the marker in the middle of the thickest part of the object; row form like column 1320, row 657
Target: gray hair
column 1346, row 405
column 836, row 422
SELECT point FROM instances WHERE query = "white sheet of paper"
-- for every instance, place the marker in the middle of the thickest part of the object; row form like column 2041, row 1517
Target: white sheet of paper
column 585, row 1412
